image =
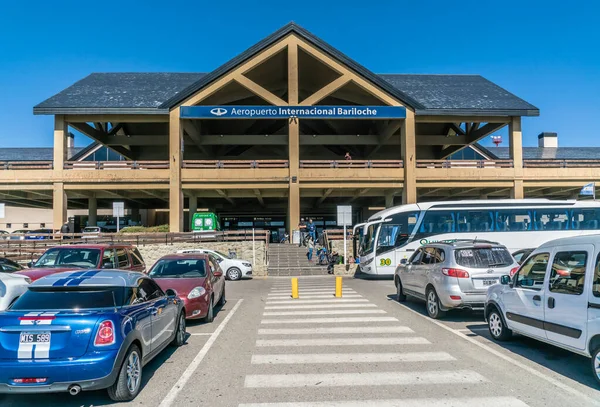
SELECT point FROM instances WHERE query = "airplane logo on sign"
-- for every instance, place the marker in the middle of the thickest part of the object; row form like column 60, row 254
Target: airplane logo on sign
column 218, row 111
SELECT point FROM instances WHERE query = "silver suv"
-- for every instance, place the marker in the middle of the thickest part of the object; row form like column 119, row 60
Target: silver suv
column 453, row 274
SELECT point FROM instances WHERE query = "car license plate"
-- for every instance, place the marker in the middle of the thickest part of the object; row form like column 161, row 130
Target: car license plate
column 35, row 337
column 487, row 283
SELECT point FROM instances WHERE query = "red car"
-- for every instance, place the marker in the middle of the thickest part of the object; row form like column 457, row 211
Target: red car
column 81, row 257
column 197, row 279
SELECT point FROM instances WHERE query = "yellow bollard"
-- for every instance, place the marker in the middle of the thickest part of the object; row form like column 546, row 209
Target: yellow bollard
column 295, row 288
column 338, row 287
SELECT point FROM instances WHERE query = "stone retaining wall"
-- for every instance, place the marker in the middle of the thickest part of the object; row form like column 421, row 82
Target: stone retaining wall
column 151, row 253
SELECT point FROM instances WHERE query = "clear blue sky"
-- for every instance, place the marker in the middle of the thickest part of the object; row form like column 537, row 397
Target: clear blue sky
column 546, row 52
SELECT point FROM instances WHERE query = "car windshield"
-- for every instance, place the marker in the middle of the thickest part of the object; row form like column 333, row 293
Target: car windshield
column 225, row 256
column 178, row 268
column 69, row 257
column 479, row 257
column 73, row 298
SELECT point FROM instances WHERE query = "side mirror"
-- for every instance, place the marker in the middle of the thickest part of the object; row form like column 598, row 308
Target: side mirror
column 171, row 292
column 218, row 273
column 505, row 280
column 108, row 265
column 30, row 264
column 404, row 262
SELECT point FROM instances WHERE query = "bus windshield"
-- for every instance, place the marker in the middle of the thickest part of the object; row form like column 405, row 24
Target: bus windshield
column 368, row 239
column 394, row 232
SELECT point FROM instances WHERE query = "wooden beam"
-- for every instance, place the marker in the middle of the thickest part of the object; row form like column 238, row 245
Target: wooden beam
column 326, row 193
column 473, row 137
column 326, row 91
column 359, row 194
column 224, row 195
column 259, row 90
column 101, row 138
column 387, row 133
column 155, row 195
column 258, row 195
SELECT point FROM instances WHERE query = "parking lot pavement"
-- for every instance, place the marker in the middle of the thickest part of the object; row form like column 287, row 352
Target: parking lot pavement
column 266, row 350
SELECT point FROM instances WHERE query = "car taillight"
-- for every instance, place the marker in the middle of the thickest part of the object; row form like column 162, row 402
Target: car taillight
column 29, row 380
column 458, row 273
column 106, row 334
column 513, row 271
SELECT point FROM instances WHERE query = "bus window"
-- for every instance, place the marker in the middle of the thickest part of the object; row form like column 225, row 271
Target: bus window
column 437, row 222
column 396, row 232
column 475, row 221
column 513, row 220
column 551, row 219
column 585, row 219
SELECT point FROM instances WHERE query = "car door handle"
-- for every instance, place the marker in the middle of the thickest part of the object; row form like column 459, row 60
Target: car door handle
column 551, row 302
column 537, row 298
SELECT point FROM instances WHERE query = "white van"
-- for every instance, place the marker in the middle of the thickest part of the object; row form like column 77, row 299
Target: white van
column 553, row 297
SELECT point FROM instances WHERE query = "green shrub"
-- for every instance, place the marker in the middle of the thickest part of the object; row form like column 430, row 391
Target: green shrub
column 144, row 229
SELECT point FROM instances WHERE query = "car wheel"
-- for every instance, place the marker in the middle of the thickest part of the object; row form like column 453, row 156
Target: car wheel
column 234, row 274
column 222, row 300
column 210, row 315
column 498, row 329
column 179, row 338
column 129, row 380
column 433, row 305
column 400, row 296
column 596, row 364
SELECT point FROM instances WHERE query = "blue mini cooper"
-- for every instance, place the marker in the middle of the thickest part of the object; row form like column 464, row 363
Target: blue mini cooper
column 87, row 330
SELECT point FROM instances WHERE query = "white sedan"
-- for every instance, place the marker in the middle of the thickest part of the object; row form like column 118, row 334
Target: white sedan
column 234, row 269
column 11, row 288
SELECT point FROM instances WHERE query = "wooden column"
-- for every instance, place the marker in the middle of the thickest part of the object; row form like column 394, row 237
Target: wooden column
column 409, row 156
column 175, row 157
column 515, row 143
column 59, row 205
column 92, row 211
column 61, row 130
column 293, row 139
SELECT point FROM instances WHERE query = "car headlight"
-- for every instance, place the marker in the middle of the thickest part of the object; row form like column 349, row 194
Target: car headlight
column 367, row 262
column 246, row 264
column 196, row 292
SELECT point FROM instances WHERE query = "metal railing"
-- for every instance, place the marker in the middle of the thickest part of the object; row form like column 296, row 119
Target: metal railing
column 29, row 249
column 465, row 164
column 561, row 163
column 351, row 164
column 116, row 165
column 237, row 164
column 26, row 165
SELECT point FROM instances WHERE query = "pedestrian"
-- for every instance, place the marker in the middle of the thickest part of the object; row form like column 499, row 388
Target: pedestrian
column 64, row 229
column 348, row 157
column 312, row 230
column 334, row 259
column 311, row 246
column 302, row 229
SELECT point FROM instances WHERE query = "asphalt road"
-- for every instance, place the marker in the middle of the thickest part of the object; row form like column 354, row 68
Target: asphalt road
column 266, row 350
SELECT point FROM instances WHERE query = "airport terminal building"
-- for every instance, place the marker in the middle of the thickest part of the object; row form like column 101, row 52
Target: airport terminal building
column 262, row 140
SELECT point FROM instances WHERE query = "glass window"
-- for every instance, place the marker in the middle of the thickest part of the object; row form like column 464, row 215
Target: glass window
column 483, row 257
column 396, row 232
column 429, row 256
column 369, row 239
column 475, row 221
column 108, row 259
column 74, row 257
column 214, row 267
column 531, row 274
column 596, row 283
column 551, row 219
column 148, row 290
column 188, row 268
column 416, row 258
column 441, row 255
column 9, row 266
column 568, row 272
column 437, row 222
column 137, row 257
column 585, row 219
column 513, row 220
column 62, row 298
column 122, row 258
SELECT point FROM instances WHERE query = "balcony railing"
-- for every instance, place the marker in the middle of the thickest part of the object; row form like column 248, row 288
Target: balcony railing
column 116, row 165
column 351, row 164
column 561, row 163
column 235, row 164
column 26, row 165
column 465, row 164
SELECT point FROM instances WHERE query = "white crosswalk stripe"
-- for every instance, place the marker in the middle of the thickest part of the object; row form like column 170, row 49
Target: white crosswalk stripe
column 447, row 402
column 334, row 358
column 324, row 312
column 338, row 330
column 342, row 341
column 316, row 301
column 328, row 320
column 319, row 306
column 311, row 296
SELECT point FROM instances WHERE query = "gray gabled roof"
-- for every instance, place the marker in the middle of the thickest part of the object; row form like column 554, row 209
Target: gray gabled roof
column 156, row 93
column 32, row 153
column 550, row 153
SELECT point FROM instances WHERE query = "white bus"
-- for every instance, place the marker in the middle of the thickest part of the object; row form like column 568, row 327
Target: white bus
column 395, row 233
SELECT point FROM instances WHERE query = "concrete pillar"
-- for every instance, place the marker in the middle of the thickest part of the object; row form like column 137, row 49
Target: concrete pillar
column 409, row 157
column 294, row 141
column 59, row 205
column 60, row 142
column 515, row 143
column 92, row 211
column 389, row 199
column 135, row 214
column 193, row 208
column 175, row 157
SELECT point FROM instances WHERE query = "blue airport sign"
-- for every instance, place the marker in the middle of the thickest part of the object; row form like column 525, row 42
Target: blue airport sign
column 285, row 112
